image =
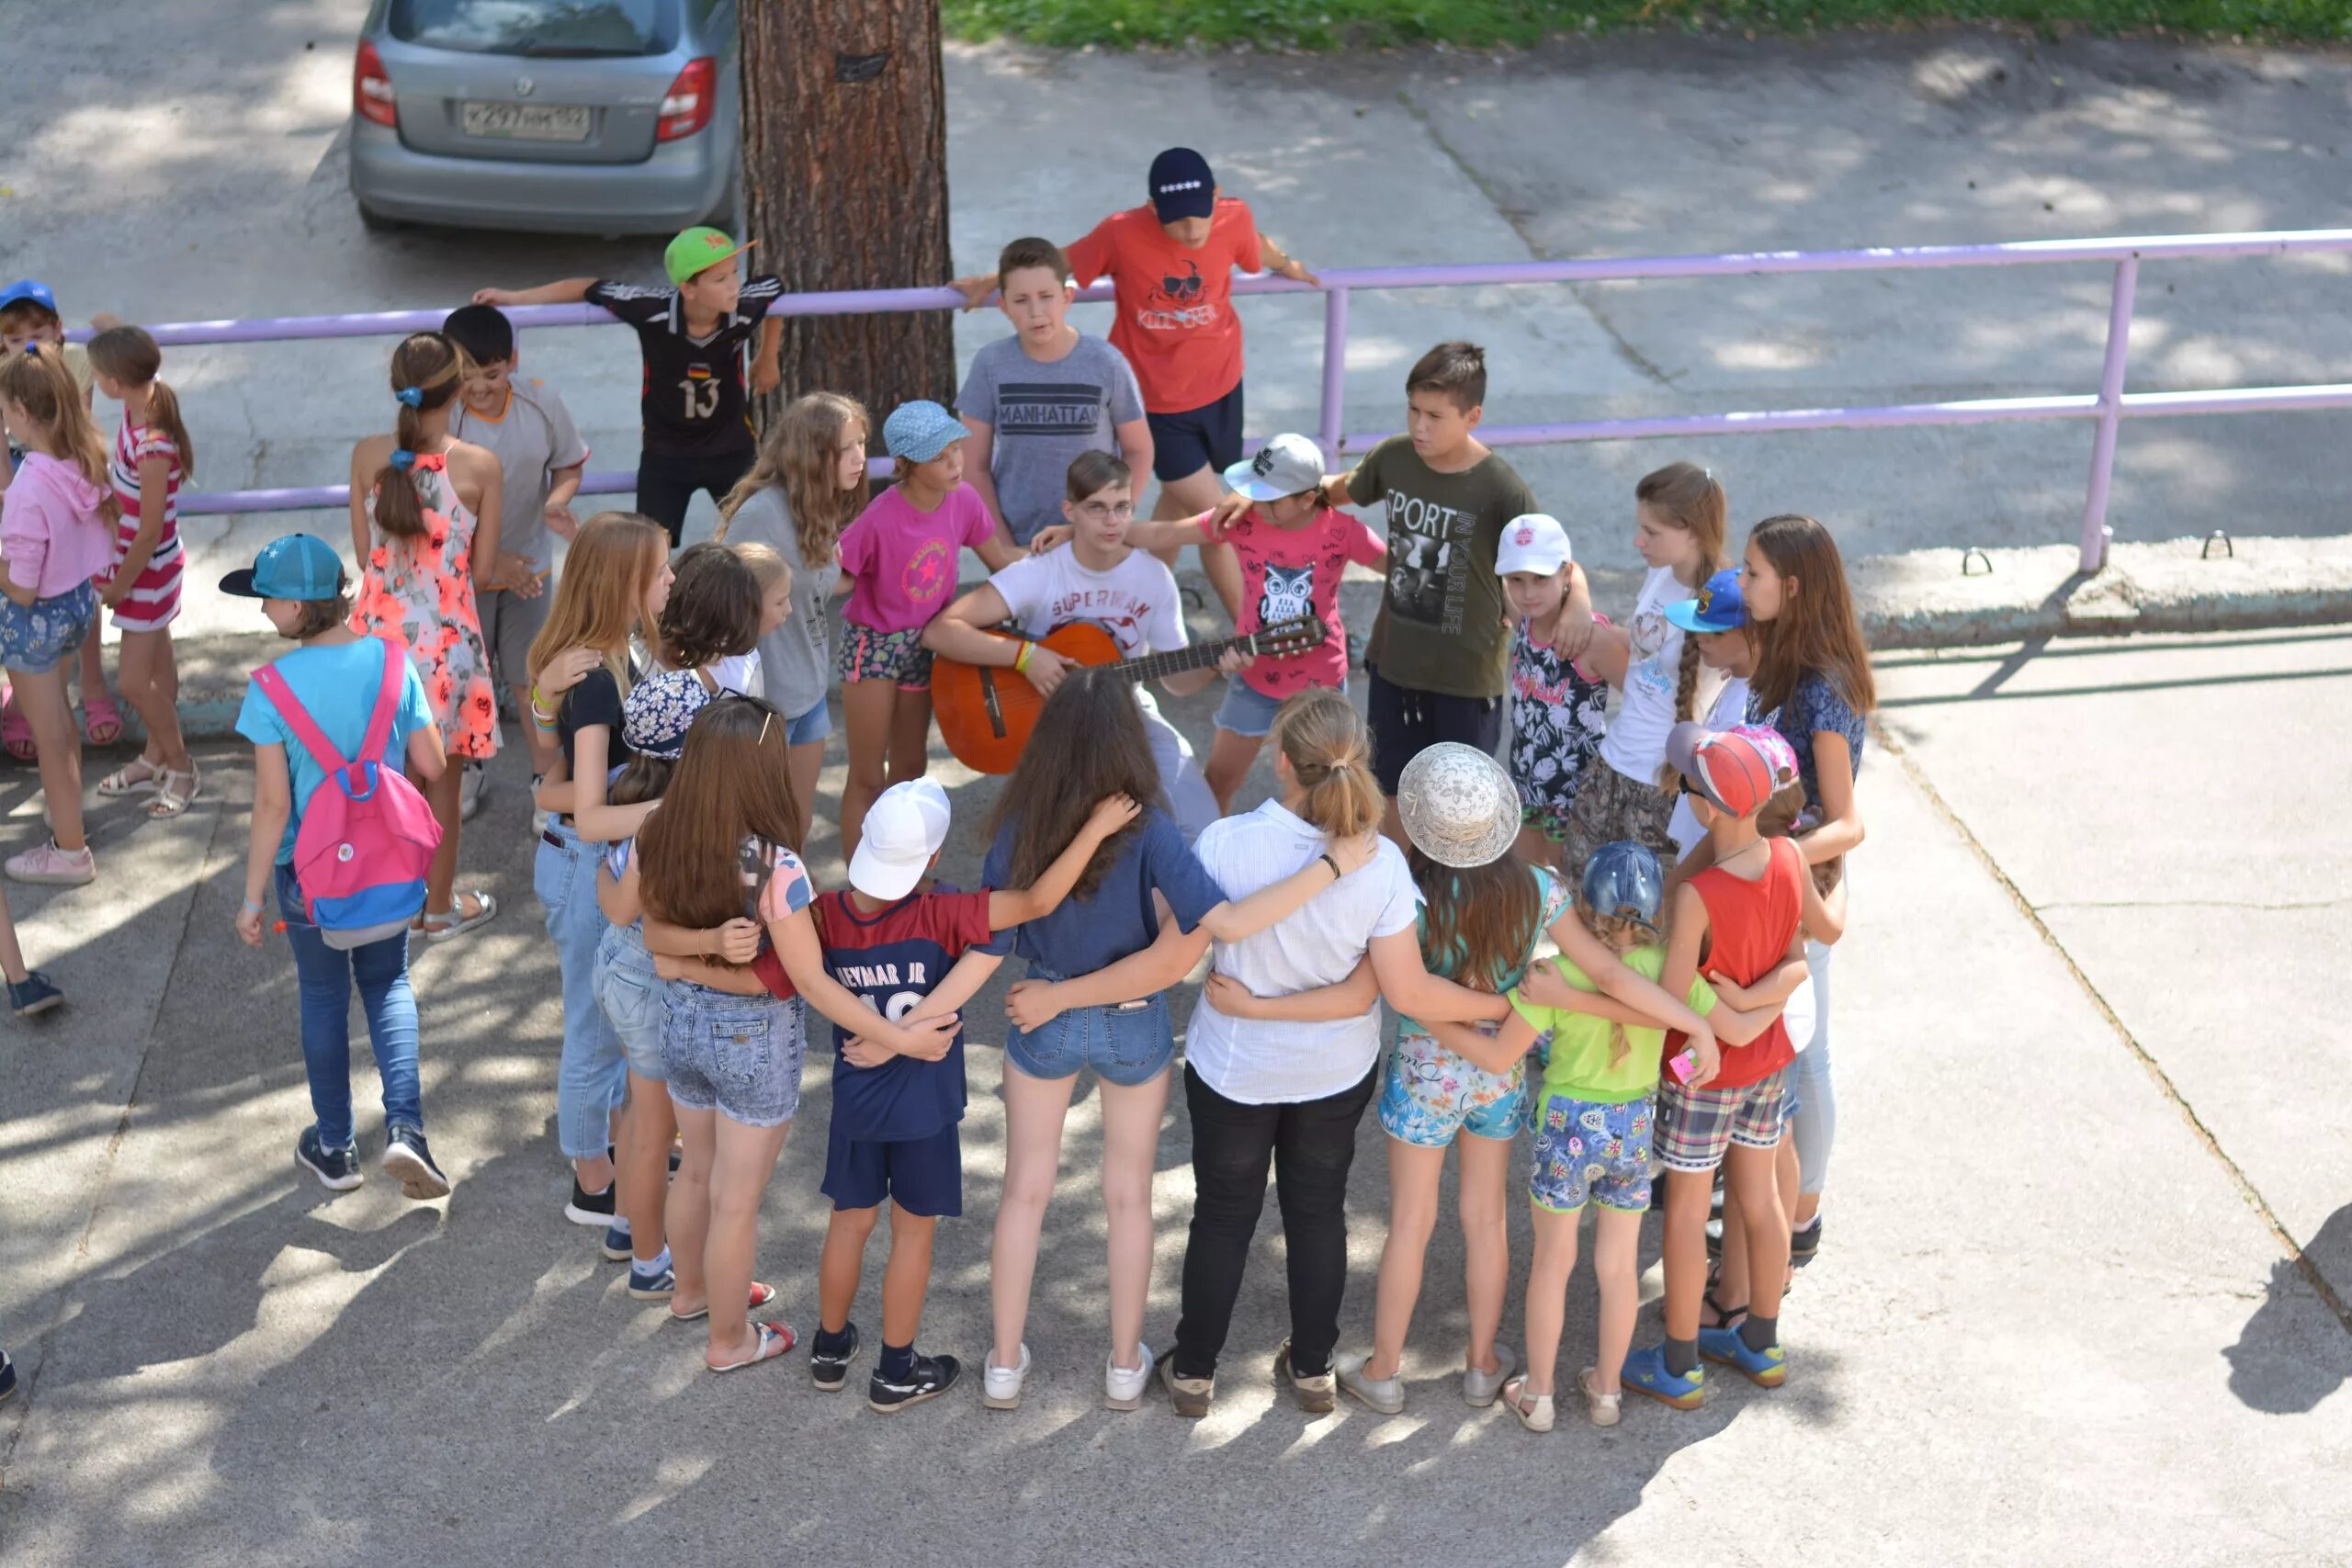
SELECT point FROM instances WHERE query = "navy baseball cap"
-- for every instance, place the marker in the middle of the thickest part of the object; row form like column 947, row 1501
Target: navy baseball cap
column 1716, row 607
column 30, row 288
column 1181, row 186
column 299, row 566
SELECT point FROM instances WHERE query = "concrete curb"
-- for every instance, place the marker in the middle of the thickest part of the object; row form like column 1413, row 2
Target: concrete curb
column 1919, row 599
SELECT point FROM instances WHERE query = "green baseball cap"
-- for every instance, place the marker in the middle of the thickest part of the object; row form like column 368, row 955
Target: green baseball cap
column 698, row 250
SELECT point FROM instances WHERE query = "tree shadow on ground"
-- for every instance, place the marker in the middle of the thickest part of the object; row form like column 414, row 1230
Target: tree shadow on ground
column 2296, row 1350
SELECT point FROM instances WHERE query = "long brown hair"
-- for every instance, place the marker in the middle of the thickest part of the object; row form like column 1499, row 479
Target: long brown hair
column 803, row 455
column 1816, row 628
column 430, row 366
column 600, row 595
column 1089, row 742
column 38, row 382
column 1692, row 499
column 129, row 354
column 1480, row 919
column 1620, row 936
column 1330, row 754
column 731, row 787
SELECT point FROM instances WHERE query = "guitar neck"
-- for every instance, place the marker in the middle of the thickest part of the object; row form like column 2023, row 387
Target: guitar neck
column 1176, row 661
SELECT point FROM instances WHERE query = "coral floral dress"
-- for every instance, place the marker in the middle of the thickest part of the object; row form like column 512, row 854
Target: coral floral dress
column 421, row 591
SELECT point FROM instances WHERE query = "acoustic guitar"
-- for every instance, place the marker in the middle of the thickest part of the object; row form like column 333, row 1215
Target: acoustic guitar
column 986, row 711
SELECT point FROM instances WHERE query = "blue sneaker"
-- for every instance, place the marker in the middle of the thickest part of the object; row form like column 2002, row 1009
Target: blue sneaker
column 36, row 993
column 337, row 1169
column 619, row 1246
column 7, row 1375
column 1768, row 1368
column 1645, row 1374
column 651, row 1285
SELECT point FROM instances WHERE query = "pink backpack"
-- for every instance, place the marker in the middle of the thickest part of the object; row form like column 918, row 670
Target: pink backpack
column 367, row 836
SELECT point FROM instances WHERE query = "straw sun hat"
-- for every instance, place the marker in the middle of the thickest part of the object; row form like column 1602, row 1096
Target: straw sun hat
column 1459, row 805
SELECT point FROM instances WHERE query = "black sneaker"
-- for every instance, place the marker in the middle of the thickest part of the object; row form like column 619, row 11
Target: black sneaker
column 1804, row 1244
column 930, row 1377
column 7, row 1375
column 337, row 1169
column 588, row 1208
column 408, row 1161
column 35, row 994
column 830, row 1372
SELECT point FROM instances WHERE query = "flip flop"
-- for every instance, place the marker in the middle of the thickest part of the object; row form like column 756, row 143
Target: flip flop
column 99, row 714
column 138, row 776
column 760, row 1296
column 17, row 732
column 442, row 927
column 774, row 1339
column 171, row 797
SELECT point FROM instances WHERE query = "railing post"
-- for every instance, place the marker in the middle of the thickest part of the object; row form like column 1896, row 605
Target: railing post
column 1335, row 374
column 2096, row 532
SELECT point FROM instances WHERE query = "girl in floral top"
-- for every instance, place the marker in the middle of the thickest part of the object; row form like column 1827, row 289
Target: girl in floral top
column 424, row 511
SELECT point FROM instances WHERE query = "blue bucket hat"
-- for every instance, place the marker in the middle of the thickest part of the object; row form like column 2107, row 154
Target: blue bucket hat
column 1716, row 607
column 921, row 431
column 299, row 566
column 1623, row 881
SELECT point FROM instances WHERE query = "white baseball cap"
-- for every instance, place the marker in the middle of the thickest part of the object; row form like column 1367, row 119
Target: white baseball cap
column 1288, row 464
column 1532, row 542
column 904, row 827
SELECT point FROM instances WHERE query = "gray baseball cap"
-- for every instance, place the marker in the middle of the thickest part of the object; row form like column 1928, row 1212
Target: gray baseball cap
column 1288, row 464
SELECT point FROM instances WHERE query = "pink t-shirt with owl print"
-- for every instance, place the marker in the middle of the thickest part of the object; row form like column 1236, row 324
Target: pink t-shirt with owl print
column 1289, row 572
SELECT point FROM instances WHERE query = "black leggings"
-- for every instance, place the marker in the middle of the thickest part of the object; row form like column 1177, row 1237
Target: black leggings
column 1310, row 1145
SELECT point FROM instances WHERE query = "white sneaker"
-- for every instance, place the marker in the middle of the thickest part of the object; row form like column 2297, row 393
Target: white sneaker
column 469, row 789
column 1123, row 1387
column 1000, row 1386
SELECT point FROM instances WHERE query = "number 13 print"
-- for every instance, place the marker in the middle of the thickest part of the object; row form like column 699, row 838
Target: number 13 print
column 702, row 397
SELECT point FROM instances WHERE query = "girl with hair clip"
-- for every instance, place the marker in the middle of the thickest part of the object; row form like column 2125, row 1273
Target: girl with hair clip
column 808, row 485
column 720, row 858
column 152, row 456
column 57, row 525
column 423, row 514
column 614, row 584
column 1099, row 965
column 1625, row 794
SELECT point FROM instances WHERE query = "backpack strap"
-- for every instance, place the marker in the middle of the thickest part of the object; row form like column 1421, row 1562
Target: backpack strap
column 388, row 702
column 298, row 718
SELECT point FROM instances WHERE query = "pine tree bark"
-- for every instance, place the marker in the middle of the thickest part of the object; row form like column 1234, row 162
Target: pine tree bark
column 845, row 186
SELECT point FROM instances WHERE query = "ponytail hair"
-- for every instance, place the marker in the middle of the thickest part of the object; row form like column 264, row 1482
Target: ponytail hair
column 131, row 355
column 427, row 372
column 1620, row 936
column 38, row 382
column 1692, row 499
column 1330, row 752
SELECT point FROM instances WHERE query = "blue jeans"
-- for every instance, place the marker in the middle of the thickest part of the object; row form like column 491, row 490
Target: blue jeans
column 324, row 975
column 1815, row 1120
column 591, row 1078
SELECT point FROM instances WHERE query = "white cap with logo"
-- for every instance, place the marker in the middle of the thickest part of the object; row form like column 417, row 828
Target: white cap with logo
column 904, row 827
column 1532, row 542
column 1288, row 464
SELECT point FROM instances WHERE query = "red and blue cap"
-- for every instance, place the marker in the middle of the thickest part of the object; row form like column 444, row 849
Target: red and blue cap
column 1736, row 770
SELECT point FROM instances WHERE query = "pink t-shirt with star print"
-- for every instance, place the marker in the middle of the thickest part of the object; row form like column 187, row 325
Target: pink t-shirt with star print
column 902, row 562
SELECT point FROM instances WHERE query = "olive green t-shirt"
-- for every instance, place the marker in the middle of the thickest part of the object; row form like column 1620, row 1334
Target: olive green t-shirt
column 1440, row 627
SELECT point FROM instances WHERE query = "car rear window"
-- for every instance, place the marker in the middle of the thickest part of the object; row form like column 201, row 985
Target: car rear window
column 538, row 28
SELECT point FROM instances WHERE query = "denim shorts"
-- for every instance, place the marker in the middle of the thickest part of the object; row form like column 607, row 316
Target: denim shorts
column 1592, row 1151
column 814, row 725
column 738, row 1055
column 869, row 655
column 1429, row 1095
column 1698, row 1126
column 1126, row 1046
column 633, row 998
column 34, row 636
column 1246, row 710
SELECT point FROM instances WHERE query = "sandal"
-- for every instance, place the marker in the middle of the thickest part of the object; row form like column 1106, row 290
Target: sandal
column 773, row 1339
column 1725, row 1317
column 138, row 776
column 1534, row 1410
column 1604, row 1409
column 173, row 796
column 760, row 1296
column 452, row 921
column 101, row 720
column 17, row 732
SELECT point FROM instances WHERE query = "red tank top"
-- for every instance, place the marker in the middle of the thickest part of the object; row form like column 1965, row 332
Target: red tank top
column 1750, row 925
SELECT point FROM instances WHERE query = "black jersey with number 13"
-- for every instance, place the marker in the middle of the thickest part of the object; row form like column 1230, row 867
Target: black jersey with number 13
column 694, row 402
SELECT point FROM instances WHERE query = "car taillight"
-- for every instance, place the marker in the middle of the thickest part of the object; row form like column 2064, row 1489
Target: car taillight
column 371, row 90
column 686, row 107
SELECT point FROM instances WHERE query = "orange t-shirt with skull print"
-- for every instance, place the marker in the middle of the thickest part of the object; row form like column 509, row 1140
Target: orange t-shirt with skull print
column 1174, row 306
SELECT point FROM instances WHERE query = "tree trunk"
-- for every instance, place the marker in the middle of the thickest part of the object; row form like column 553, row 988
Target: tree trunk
column 845, row 186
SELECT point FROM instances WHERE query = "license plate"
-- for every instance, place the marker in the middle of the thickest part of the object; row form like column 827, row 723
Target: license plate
column 528, row 122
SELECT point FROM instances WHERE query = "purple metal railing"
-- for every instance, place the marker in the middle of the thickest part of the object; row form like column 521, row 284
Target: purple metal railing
column 2109, row 406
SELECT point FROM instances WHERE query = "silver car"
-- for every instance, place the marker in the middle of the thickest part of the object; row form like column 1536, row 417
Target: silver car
column 606, row 117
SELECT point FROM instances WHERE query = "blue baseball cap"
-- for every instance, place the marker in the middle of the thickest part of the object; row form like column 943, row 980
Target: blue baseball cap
column 299, row 566
column 921, row 431
column 1181, row 186
column 30, row 288
column 1623, row 881
column 1716, row 607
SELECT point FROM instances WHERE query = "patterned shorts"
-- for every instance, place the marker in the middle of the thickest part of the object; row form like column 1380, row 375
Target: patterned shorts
column 1552, row 821
column 1698, row 1126
column 1588, row 1150
column 1610, row 806
column 868, row 655
column 1429, row 1095
column 34, row 636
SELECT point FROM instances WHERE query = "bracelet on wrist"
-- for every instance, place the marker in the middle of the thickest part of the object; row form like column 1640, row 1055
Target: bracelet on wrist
column 1021, row 659
column 252, row 908
column 1336, row 872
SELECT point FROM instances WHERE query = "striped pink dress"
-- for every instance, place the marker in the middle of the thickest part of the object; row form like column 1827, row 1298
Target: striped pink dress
column 153, row 601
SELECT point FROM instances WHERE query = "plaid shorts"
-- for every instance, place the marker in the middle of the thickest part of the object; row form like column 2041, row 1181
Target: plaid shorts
column 869, row 655
column 1697, row 1126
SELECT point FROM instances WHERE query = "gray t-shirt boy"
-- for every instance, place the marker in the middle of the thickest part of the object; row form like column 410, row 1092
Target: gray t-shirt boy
column 796, row 660
column 1045, row 415
column 533, row 438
